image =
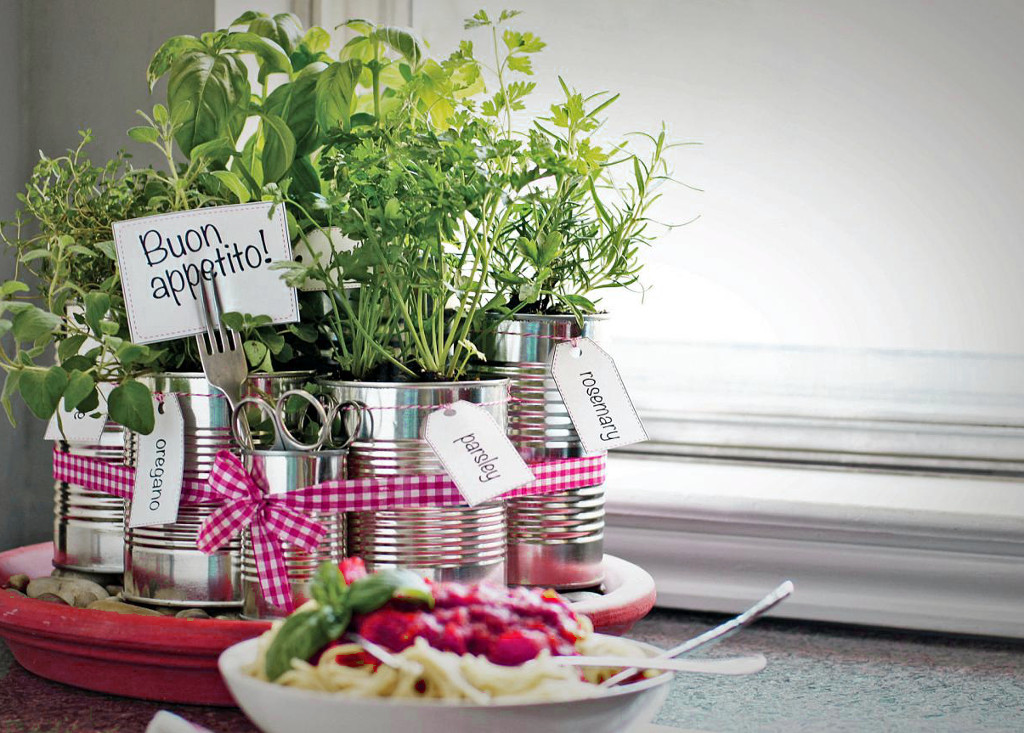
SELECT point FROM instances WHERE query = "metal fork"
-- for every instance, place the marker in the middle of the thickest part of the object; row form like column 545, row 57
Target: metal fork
column 220, row 351
column 720, row 632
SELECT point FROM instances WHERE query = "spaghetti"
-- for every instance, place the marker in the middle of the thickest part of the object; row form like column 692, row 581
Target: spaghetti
column 429, row 673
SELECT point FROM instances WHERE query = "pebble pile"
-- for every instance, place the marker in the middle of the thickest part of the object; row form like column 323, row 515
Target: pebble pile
column 96, row 592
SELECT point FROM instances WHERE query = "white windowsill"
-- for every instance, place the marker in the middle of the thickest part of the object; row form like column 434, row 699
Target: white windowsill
column 921, row 552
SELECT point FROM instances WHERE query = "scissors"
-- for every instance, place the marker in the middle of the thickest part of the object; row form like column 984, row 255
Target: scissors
column 327, row 411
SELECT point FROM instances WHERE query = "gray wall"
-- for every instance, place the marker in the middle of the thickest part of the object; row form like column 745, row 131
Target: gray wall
column 66, row 65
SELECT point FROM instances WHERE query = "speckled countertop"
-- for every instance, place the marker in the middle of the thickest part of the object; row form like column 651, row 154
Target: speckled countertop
column 839, row 678
column 818, row 678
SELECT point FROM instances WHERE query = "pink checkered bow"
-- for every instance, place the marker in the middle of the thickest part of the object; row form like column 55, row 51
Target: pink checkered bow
column 272, row 520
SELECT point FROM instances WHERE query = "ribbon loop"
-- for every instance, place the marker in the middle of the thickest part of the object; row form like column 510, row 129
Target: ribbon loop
column 271, row 523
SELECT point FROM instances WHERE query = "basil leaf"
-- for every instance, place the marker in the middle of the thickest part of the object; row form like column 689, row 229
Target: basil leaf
column 278, row 147
column 328, row 586
column 370, row 593
column 335, row 93
column 210, row 94
column 302, row 635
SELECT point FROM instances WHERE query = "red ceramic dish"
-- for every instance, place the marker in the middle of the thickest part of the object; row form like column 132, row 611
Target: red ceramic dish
column 175, row 660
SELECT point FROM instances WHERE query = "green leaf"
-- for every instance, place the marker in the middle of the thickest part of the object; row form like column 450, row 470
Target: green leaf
column 278, row 147
column 33, row 323
column 35, row 254
column 301, row 636
column 233, row 184
column 167, row 54
column 335, row 93
column 131, row 405
column 402, row 41
column 215, row 152
column 272, row 58
column 295, row 103
column 328, row 587
column 11, row 287
column 143, row 134
column 359, row 25
column 10, row 388
column 80, row 386
column 373, row 591
column 42, row 391
column 210, row 95
column 128, row 353
column 256, row 353
column 96, row 306
column 247, row 17
column 90, row 402
column 108, row 249
column 69, row 347
column 317, row 39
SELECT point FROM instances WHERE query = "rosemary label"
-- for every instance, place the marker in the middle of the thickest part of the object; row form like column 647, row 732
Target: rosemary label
column 595, row 397
column 475, row 452
column 160, row 467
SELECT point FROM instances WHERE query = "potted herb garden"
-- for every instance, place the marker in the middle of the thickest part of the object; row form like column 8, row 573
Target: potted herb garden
column 443, row 247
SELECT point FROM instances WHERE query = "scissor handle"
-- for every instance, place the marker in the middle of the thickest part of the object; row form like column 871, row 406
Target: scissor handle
column 343, row 410
column 290, row 440
column 243, row 437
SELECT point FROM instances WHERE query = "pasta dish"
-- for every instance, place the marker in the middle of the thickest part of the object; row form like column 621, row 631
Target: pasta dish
column 467, row 643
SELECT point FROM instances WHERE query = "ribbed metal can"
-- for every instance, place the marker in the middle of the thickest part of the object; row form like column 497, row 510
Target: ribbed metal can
column 554, row 540
column 162, row 564
column 460, row 543
column 88, row 525
column 286, row 471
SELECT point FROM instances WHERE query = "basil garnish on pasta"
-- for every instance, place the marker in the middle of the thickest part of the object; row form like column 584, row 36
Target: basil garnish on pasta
column 306, row 632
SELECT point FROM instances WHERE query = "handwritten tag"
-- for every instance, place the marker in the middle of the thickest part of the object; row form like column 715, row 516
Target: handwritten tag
column 165, row 259
column 160, row 467
column 475, row 452
column 594, row 395
column 74, row 426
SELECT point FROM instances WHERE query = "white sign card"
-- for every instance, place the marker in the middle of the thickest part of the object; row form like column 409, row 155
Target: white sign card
column 475, row 452
column 75, row 426
column 165, row 259
column 160, row 467
column 594, row 395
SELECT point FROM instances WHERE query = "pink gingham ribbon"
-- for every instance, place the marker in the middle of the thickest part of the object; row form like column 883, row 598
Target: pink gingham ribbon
column 96, row 474
column 352, row 495
column 272, row 519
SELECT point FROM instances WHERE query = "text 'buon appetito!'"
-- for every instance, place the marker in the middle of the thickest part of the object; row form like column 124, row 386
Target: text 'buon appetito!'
column 164, row 261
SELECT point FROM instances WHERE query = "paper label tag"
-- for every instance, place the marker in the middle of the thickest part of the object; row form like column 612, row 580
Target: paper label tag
column 75, row 426
column 160, row 467
column 165, row 259
column 594, row 395
column 475, row 452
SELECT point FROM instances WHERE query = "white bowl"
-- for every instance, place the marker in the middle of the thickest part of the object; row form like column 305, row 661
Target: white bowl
column 278, row 709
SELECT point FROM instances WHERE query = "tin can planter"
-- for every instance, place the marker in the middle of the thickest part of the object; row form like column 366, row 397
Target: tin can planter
column 451, row 543
column 88, row 533
column 162, row 564
column 554, row 540
column 286, row 471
